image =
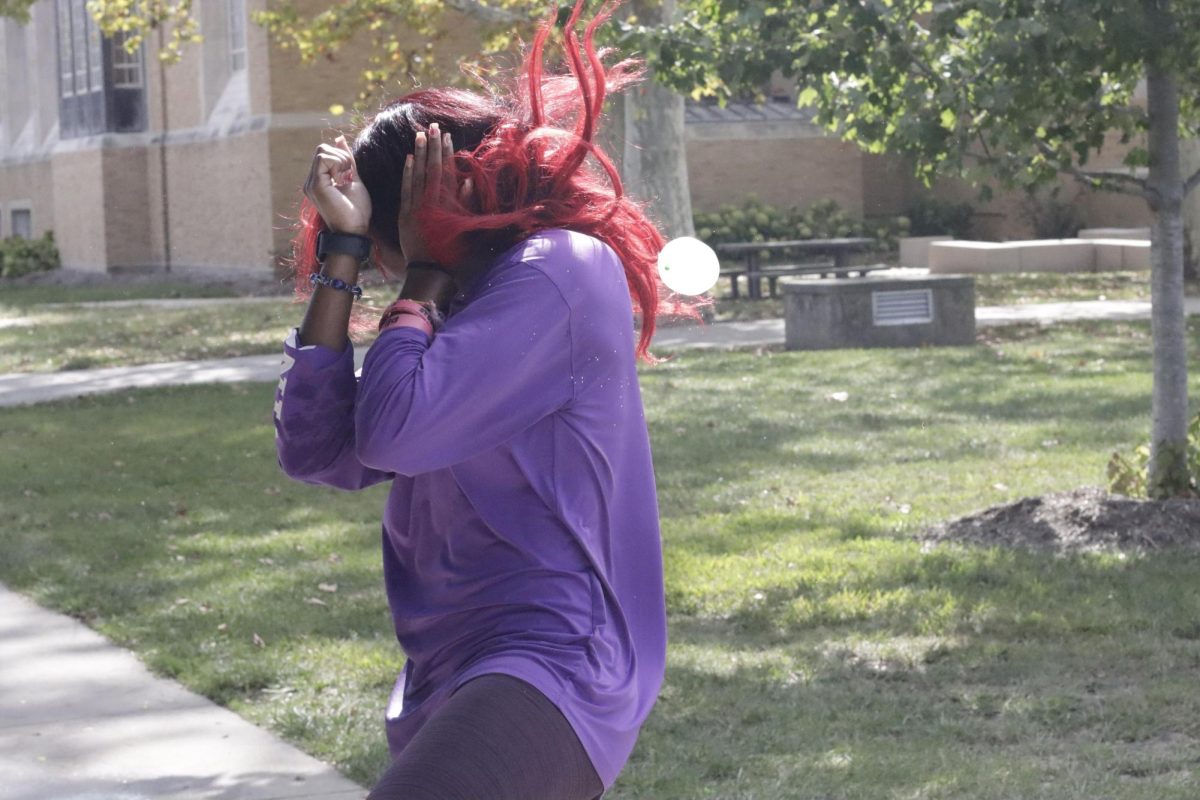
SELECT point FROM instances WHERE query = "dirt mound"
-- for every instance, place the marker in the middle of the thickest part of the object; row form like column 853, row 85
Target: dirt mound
column 1080, row 520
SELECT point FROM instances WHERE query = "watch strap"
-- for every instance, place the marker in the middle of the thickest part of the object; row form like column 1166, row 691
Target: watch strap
column 350, row 244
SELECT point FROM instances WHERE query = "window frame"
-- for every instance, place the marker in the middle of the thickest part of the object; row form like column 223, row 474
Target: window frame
column 237, row 35
column 102, row 104
column 13, row 209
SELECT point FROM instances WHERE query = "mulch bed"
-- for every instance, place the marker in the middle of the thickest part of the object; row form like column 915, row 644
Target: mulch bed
column 1085, row 519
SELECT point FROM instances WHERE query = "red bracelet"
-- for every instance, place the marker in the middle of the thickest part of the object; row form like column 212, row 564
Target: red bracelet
column 425, row 310
column 406, row 306
column 404, row 319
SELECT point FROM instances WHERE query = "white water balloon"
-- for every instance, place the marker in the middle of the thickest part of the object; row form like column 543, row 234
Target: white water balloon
column 688, row 266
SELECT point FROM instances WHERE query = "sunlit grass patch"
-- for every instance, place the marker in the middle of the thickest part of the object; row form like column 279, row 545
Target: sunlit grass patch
column 818, row 648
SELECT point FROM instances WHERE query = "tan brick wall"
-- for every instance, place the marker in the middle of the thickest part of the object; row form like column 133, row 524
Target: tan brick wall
column 185, row 91
column 315, row 87
column 1002, row 219
column 220, row 207
column 27, row 185
column 127, row 220
column 782, row 172
column 79, row 209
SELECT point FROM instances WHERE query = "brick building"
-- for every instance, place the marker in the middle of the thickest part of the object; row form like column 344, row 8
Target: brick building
column 198, row 165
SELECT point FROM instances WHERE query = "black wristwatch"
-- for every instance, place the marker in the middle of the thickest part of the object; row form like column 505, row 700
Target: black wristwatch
column 349, row 243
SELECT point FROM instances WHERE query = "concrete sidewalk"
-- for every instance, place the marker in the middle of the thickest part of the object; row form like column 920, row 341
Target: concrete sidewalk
column 81, row 719
column 25, row 388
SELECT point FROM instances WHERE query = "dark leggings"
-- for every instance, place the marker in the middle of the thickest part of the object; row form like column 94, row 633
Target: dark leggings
column 497, row 738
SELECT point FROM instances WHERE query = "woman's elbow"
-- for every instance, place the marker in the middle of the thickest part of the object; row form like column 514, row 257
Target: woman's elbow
column 377, row 450
column 302, row 469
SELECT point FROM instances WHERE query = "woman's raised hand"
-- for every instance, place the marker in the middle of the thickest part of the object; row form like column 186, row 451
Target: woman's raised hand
column 335, row 189
column 428, row 180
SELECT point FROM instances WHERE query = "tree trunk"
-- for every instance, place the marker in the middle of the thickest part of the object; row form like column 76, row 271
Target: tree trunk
column 1168, row 440
column 654, row 161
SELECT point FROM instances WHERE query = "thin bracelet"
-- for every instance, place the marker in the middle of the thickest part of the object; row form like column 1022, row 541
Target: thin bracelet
column 335, row 283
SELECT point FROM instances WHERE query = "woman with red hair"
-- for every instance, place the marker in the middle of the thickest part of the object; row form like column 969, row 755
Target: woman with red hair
column 521, row 546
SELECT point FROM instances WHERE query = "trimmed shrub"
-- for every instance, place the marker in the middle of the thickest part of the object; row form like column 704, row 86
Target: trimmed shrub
column 930, row 216
column 1050, row 217
column 20, row 256
column 755, row 221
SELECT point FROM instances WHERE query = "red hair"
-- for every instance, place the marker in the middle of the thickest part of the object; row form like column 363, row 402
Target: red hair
column 527, row 152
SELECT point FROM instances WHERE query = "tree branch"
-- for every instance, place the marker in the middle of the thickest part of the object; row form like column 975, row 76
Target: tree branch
column 1191, row 183
column 1109, row 180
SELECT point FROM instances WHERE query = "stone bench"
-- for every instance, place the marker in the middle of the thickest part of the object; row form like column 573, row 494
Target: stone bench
column 877, row 311
column 1038, row 255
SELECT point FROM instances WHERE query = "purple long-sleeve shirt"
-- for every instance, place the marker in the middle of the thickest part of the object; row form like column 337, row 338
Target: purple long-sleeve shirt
column 521, row 532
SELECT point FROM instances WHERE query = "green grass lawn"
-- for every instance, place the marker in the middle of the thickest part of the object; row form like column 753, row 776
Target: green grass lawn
column 51, row 339
column 20, row 296
column 818, row 650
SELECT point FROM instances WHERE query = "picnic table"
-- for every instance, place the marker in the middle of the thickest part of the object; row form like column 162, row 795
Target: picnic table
column 749, row 252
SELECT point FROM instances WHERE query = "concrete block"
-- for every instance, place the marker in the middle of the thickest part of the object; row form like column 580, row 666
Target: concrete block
column 964, row 257
column 1056, row 255
column 878, row 312
column 914, row 250
column 1122, row 254
column 1114, row 233
column 1109, row 254
column 1135, row 255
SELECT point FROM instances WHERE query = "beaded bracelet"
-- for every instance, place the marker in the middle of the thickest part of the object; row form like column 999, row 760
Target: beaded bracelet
column 335, row 283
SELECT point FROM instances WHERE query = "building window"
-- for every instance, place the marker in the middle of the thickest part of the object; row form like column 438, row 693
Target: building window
column 66, row 65
column 22, row 223
column 95, row 54
column 237, row 34
column 101, row 87
column 126, row 66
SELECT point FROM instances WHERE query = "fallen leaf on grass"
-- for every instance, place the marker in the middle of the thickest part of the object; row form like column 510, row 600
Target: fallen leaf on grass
column 315, row 601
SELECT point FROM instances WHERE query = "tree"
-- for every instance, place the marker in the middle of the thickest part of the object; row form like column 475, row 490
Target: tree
column 1022, row 90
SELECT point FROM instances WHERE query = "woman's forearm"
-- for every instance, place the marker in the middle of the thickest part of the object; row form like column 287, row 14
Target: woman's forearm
column 328, row 316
